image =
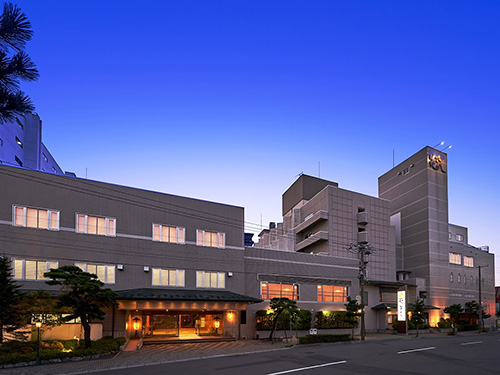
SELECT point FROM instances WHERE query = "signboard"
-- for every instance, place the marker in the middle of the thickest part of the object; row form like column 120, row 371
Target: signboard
column 401, row 305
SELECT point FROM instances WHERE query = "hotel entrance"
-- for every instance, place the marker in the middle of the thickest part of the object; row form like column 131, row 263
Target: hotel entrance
column 183, row 325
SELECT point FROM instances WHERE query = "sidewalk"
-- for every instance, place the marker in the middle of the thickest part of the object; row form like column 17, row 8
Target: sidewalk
column 165, row 353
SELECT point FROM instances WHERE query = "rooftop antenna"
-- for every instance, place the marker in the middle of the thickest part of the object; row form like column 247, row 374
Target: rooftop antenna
column 446, row 148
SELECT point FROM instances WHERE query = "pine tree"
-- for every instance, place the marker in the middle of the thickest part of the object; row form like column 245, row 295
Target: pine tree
column 9, row 298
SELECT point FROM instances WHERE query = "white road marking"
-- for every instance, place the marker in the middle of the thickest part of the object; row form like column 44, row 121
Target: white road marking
column 471, row 343
column 307, row 368
column 417, row 350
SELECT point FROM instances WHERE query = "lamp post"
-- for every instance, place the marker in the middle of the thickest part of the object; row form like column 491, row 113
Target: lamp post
column 136, row 326
column 216, row 323
column 38, row 325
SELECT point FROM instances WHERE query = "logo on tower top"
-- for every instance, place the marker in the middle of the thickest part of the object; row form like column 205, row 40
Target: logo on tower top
column 436, row 161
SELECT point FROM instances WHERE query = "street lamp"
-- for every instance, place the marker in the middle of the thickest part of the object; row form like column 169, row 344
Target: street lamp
column 38, row 325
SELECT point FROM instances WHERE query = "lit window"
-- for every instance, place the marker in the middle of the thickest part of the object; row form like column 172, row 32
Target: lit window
column 32, row 269
column 18, row 141
column 104, row 272
column 331, row 293
column 164, row 233
column 459, row 279
column 35, row 218
column 102, row 226
column 210, row 239
column 455, row 258
column 279, row 290
column 206, row 279
column 166, row 277
column 468, row 261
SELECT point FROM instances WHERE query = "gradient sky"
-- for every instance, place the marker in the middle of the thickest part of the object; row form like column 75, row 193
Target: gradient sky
column 229, row 101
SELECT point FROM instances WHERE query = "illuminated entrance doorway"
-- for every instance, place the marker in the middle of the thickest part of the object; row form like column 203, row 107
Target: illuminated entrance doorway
column 184, row 325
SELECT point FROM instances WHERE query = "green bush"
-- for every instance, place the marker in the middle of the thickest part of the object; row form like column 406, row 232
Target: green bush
column 121, row 340
column 13, row 352
column 265, row 323
column 313, row 339
column 412, row 325
column 444, row 323
column 333, row 319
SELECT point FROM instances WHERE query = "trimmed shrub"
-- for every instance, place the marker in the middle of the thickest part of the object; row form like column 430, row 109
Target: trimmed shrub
column 313, row 339
column 333, row 319
column 265, row 323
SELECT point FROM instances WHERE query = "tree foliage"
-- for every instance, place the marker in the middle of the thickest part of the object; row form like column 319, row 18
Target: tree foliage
column 454, row 310
column 83, row 293
column 278, row 306
column 417, row 313
column 15, row 64
column 9, row 298
column 353, row 313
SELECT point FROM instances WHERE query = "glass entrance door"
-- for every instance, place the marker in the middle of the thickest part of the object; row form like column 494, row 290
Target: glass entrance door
column 166, row 325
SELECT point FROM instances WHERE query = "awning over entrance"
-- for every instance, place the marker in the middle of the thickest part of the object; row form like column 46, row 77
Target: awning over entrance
column 156, row 294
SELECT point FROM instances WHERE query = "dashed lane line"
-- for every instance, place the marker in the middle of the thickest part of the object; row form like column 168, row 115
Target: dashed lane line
column 471, row 343
column 417, row 350
column 307, row 368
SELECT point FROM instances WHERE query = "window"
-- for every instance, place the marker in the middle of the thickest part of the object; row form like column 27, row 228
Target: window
column 104, row 273
column 165, row 233
column 32, row 269
column 35, row 218
column 465, row 280
column 18, row 141
column 406, row 171
column 279, row 290
column 45, row 157
column 210, row 239
column 451, row 277
column 331, row 293
column 102, row 226
column 450, row 235
column 459, row 279
column 206, row 279
column 468, row 261
column 165, row 277
column 459, row 237
column 455, row 258
column 1, row 142
column 472, row 280
column 18, row 161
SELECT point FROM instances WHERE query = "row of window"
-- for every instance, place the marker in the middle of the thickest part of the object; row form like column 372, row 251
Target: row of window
column 106, row 226
column 456, row 258
column 463, row 278
column 326, row 293
column 34, row 270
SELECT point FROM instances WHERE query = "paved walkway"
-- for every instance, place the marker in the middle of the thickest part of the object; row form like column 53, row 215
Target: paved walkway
column 161, row 353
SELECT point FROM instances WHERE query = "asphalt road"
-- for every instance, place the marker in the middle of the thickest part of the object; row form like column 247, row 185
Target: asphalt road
column 472, row 355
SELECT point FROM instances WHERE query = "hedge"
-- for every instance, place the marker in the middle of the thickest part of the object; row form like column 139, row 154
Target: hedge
column 333, row 319
column 313, row 339
column 12, row 352
column 264, row 322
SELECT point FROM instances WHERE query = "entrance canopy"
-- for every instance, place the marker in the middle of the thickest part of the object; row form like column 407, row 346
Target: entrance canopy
column 185, row 299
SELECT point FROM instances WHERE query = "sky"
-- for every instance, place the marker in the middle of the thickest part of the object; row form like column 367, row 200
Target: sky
column 230, row 101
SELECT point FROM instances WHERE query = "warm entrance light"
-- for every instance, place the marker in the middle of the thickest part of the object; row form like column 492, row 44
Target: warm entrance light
column 136, row 324
column 230, row 316
column 38, row 324
column 217, row 323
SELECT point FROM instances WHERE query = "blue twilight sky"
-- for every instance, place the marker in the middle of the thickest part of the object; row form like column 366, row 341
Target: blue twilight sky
column 230, row 100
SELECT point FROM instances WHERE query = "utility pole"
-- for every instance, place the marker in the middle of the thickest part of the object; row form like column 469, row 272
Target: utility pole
column 363, row 251
column 480, row 328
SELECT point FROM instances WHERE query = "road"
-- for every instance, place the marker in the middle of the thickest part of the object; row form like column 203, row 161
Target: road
column 457, row 355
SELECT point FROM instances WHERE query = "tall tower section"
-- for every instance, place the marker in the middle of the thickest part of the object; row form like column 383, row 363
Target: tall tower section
column 417, row 191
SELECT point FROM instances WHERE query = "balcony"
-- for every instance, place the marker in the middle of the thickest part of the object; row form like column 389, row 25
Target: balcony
column 363, row 237
column 315, row 218
column 362, row 217
column 312, row 240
